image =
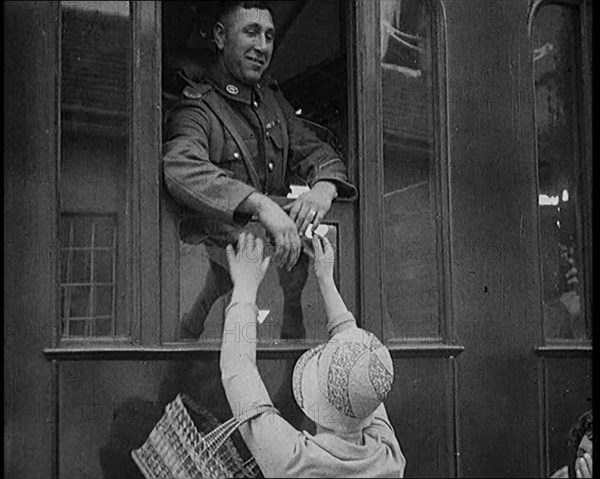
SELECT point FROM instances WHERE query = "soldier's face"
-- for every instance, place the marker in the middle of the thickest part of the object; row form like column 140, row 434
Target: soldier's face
column 246, row 42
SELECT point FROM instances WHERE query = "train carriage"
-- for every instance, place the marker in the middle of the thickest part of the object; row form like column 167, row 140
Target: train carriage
column 464, row 124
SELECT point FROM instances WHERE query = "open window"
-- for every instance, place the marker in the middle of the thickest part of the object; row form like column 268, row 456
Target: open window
column 310, row 64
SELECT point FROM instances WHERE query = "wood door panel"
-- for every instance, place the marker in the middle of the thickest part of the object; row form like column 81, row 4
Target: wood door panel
column 29, row 226
column 105, row 409
column 420, row 409
column 108, row 408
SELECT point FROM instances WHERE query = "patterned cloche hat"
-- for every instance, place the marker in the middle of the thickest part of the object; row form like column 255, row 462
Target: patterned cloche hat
column 341, row 383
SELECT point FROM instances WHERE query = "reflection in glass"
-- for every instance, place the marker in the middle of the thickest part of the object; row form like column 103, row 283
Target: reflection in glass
column 290, row 305
column 556, row 51
column 95, row 97
column 87, row 273
column 410, row 259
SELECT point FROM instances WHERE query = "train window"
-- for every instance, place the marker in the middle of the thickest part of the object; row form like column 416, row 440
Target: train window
column 310, row 66
column 410, row 261
column 562, row 197
column 94, row 167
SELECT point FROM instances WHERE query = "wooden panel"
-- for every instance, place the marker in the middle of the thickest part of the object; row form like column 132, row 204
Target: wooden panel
column 568, row 394
column 107, row 408
column 146, row 147
column 495, row 274
column 369, row 148
column 29, row 228
column 420, row 408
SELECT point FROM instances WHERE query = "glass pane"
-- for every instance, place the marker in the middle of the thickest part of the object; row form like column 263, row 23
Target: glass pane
column 297, row 314
column 103, row 327
column 76, row 302
column 94, row 169
column 82, row 268
column 79, row 328
column 103, row 266
column 103, row 301
column 556, row 52
column 75, row 266
column 410, row 256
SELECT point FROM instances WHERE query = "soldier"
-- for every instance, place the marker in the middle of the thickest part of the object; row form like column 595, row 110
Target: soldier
column 231, row 142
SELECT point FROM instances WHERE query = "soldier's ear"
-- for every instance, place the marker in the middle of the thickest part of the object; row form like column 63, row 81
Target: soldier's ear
column 219, row 35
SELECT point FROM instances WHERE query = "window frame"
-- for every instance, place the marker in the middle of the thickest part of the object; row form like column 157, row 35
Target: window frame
column 153, row 288
column 142, row 291
column 371, row 178
column 152, row 282
column 342, row 215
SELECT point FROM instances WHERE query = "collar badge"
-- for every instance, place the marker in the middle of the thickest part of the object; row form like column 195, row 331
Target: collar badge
column 232, row 89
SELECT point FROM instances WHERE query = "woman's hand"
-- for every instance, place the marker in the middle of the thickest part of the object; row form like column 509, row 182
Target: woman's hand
column 247, row 266
column 584, row 466
column 324, row 258
column 561, row 473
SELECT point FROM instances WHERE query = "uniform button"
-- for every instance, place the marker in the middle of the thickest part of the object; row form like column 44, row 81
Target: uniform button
column 255, row 103
column 236, row 155
column 267, row 134
column 270, row 165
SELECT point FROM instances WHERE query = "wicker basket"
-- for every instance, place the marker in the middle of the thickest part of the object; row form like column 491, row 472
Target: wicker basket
column 189, row 443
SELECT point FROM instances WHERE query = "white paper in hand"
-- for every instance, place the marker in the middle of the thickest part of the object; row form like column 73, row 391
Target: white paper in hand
column 262, row 315
column 321, row 230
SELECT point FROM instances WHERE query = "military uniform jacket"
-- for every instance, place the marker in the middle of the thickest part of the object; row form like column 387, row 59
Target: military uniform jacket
column 225, row 140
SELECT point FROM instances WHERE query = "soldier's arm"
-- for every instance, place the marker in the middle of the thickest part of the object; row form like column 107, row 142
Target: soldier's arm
column 278, row 224
column 311, row 158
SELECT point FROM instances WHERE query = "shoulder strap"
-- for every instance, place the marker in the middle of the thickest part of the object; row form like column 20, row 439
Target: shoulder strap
column 194, row 90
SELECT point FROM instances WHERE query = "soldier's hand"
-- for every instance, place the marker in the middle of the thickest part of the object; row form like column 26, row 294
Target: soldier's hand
column 282, row 230
column 311, row 206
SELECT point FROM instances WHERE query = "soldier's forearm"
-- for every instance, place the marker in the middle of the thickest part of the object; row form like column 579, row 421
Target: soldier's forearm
column 257, row 203
column 252, row 204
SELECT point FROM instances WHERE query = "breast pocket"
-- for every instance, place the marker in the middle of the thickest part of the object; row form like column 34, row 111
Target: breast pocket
column 232, row 161
column 275, row 133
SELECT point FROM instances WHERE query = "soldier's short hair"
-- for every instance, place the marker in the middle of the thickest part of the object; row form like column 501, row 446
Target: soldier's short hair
column 227, row 7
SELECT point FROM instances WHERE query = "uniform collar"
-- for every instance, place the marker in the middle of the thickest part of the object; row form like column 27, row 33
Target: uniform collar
column 231, row 88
